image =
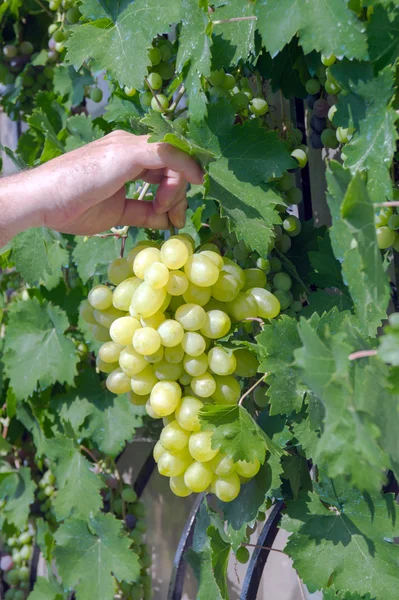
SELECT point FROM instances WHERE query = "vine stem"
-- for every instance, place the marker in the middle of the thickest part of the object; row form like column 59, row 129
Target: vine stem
column 44, row 8
column 144, row 190
column 257, row 319
column 89, row 453
column 391, row 203
column 362, row 354
column 179, row 96
column 123, row 245
column 266, row 548
column 252, row 388
column 234, row 20
column 165, row 112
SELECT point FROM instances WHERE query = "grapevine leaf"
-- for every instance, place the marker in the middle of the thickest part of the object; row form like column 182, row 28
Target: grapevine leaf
column 70, row 84
column 330, row 28
column 350, row 541
column 382, row 36
column 244, row 510
column 16, row 159
column 389, row 344
column 275, row 347
column 36, row 350
column 47, row 589
column 81, row 131
column 287, row 71
column 92, row 256
column 121, row 111
column 354, row 243
column 89, row 554
column 39, row 255
column 356, row 435
column 111, row 44
column 195, row 51
column 78, row 492
column 332, row 594
column 45, row 539
column 209, row 555
column 233, row 41
column 296, row 471
column 109, row 420
column 31, row 423
column 366, row 106
column 236, row 433
column 18, row 489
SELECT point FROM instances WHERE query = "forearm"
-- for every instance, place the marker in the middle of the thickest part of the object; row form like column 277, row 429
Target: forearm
column 19, row 208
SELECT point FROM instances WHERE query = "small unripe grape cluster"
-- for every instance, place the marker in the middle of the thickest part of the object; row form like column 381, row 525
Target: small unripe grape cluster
column 387, row 227
column 160, row 326
column 225, row 85
column 45, row 493
column 163, row 63
column 14, row 564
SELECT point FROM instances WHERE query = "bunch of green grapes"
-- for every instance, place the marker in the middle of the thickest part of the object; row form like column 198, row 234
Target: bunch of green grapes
column 16, row 554
column 154, row 94
column 237, row 89
column 44, row 495
column 68, row 14
column 160, row 326
column 387, row 226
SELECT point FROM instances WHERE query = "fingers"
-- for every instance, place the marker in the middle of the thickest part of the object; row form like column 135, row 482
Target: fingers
column 139, row 213
column 170, row 191
column 177, row 214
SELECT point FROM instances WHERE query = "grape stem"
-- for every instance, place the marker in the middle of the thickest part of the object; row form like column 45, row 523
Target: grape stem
column 391, row 203
column 144, row 191
column 90, row 453
column 123, row 244
column 257, row 319
column 44, row 8
column 234, row 20
column 265, row 548
column 155, row 96
column 252, row 388
column 362, row 354
column 179, row 96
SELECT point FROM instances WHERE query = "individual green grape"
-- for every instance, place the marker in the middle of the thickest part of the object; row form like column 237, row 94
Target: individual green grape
column 26, row 48
column 174, row 465
column 197, row 295
column 73, row 15
column 254, row 278
column 171, row 333
column 227, row 488
column 123, row 293
column 227, row 390
column 191, row 316
column 131, row 362
column 201, row 270
column 110, row 352
column 215, row 257
column 203, row 385
column 247, row 469
column 258, row 106
column 177, row 283
column 195, row 366
column 146, row 341
column 178, row 487
column 247, row 363
column 228, row 82
column 159, row 103
column 242, row 555
column 174, row 438
column 222, row 465
column 268, row 304
column 312, row 86
column 155, row 81
column 119, row 270
column 26, row 552
column 240, row 101
column 332, row 112
column 143, row 382
column 104, row 367
column 130, row 91
column 393, row 222
column 332, row 87
column 144, row 258
column 292, row 226
column 216, row 78
column 146, row 301
column 282, row 281
column 226, row 288
column 154, row 55
column 385, row 237
column 285, row 298
column 221, row 362
column 118, row 383
column 166, row 70
column 344, row 135
column 382, row 217
column 284, row 244
column 174, row 254
column 286, row 182
column 107, row 317
column 328, row 59
column 123, row 329
column 165, row 397
column 217, row 324
column 300, row 156
column 100, row 297
column 198, row 477
column 193, row 343
column 158, row 451
column 145, row 100
column 137, row 400
column 260, row 396
column 129, row 495
column 175, row 354
column 165, row 371
column 263, row 264
column 329, row 139
column 96, row 95
column 244, row 306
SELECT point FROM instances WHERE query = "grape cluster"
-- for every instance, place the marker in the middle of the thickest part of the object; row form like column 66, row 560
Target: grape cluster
column 163, row 63
column 17, row 551
column 14, row 59
column 45, row 493
column 160, row 327
column 387, row 227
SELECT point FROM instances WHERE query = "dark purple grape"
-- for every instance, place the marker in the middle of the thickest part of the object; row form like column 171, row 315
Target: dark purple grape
column 317, row 124
column 311, row 99
column 320, row 108
column 130, row 521
column 315, row 140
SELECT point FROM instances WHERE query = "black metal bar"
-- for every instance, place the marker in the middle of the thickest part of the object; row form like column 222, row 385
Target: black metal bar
column 144, row 474
column 305, row 208
column 260, row 555
column 34, row 566
column 179, row 564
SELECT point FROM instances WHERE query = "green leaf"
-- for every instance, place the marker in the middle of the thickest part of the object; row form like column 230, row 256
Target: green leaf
column 71, row 84
column 350, row 541
column 355, row 437
column 233, row 41
column 275, row 347
column 366, row 106
column 82, row 131
column 236, row 433
column 18, row 489
column 111, row 45
column 287, row 70
column 244, row 510
column 93, row 255
column 47, row 589
column 39, row 255
column 17, row 160
column 209, row 555
column 354, row 243
column 382, row 34
column 389, row 344
column 195, row 54
column 325, row 26
column 89, row 554
column 296, row 471
column 36, row 351
column 109, row 420
column 78, row 487
column 45, row 539
column 120, row 110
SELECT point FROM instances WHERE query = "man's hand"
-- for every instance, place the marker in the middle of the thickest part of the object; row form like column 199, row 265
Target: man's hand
column 83, row 192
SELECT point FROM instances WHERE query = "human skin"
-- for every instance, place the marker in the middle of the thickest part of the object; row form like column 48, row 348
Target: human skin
column 83, row 192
